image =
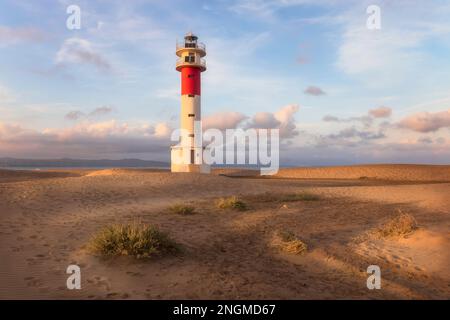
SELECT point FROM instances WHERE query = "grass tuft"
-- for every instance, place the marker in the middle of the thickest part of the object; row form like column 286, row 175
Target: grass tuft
column 139, row 241
column 290, row 243
column 182, row 209
column 401, row 225
column 231, row 203
column 287, row 236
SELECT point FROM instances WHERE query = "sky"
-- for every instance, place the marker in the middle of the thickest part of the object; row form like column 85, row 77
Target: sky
column 340, row 92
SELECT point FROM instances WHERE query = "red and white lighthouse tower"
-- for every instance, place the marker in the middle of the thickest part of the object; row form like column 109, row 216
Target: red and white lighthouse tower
column 187, row 156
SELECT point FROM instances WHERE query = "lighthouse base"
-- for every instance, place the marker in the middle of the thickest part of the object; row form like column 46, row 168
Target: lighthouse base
column 188, row 159
column 198, row 168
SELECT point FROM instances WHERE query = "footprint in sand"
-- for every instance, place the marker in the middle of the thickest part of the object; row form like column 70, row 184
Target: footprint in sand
column 35, row 283
column 100, row 282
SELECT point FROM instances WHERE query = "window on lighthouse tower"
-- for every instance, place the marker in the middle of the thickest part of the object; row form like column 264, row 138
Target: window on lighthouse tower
column 190, row 58
column 190, row 43
column 192, row 156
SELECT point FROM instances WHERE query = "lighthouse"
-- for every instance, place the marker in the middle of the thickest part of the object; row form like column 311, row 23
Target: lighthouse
column 187, row 156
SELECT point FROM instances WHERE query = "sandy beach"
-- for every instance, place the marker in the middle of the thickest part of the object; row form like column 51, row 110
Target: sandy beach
column 48, row 217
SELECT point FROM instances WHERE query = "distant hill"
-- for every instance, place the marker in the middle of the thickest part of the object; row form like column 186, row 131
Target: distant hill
column 79, row 163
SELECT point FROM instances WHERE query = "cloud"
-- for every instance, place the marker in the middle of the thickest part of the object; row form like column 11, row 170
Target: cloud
column 314, row 91
column 86, row 139
column 101, row 111
column 381, row 112
column 12, row 36
column 352, row 132
column 329, row 118
column 92, row 129
column 264, row 120
column 396, row 52
column 223, row 120
column 74, row 115
column 77, row 115
column 9, row 130
column 366, row 152
column 426, row 121
column 425, row 140
column 129, row 26
column 285, row 116
column 365, row 120
column 282, row 119
column 81, row 51
column 364, row 51
column 267, row 9
column 162, row 130
column 249, row 43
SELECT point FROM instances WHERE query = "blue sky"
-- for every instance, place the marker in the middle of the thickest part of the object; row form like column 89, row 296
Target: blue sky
column 339, row 92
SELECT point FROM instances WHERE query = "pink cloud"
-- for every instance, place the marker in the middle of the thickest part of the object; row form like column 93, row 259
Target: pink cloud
column 223, row 120
column 20, row 34
column 381, row 112
column 314, row 91
column 426, row 121
column 84, row 139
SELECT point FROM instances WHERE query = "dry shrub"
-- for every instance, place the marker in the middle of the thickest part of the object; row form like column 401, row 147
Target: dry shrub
column 139, row 241
column 231, row 203
column 288, row 242
column 401, row 225
column 182, row 209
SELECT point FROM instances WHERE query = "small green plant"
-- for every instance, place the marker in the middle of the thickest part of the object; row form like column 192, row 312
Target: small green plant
column 290, row 243
column 231, row 203
column 182, row 209
column 139, row 241
column 303, row 196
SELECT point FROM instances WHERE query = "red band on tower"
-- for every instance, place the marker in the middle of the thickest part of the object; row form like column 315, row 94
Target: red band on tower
column 190, row 80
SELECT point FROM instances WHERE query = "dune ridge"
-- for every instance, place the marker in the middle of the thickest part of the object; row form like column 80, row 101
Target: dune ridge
column 397, row 172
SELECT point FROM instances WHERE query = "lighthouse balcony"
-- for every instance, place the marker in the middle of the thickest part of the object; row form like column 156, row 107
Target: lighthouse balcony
column 191, row 61
column 191, row 47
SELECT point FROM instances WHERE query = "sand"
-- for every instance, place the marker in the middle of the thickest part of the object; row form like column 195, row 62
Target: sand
column 46, row 219
column 397, row 172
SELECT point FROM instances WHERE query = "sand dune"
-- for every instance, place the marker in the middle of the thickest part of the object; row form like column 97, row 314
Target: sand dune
column 399, row 172
column 24, row 175
column 46, row 219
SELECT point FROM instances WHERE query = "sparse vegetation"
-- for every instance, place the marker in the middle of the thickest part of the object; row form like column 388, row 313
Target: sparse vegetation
column 182, row 209
column 290, row 243
column 287, row 236
column 303, row 196
column 231, row 203
column 139, row 241
column 401, row 225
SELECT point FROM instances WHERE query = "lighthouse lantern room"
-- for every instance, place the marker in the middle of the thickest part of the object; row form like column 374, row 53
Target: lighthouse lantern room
column 187, row 156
